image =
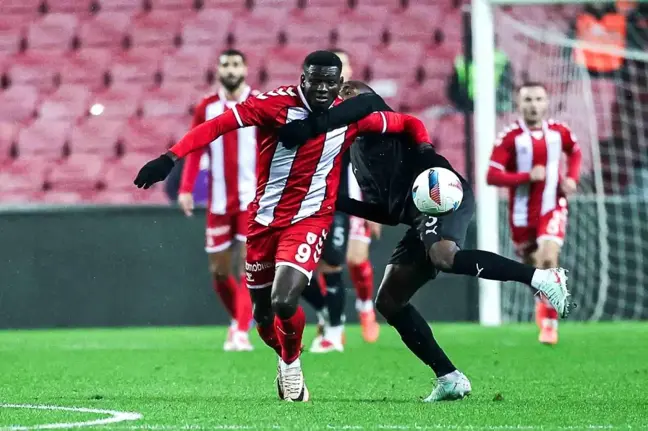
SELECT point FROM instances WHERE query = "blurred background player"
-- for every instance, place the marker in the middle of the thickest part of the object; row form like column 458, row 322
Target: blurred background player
column 232, row 179
column 350, row 236
column 526, row 159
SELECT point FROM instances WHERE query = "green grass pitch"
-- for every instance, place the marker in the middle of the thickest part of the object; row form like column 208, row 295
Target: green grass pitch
column 179, row 379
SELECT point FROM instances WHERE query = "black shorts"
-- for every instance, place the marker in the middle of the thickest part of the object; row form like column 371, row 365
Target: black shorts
column 426, row 230
column 335, row 246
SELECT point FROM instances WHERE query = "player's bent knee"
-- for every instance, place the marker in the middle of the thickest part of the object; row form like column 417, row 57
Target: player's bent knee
column 220, row 265
column 442, row 254
column 284, row 306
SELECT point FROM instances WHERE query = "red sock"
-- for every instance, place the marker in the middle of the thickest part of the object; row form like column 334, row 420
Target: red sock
column 290, row 333
column 362, row 279
column 227, row 291
column 550, row 312
column 269, row 336
column 243, row 306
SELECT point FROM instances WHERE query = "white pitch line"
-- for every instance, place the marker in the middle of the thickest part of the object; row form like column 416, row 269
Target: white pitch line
column 115, row 417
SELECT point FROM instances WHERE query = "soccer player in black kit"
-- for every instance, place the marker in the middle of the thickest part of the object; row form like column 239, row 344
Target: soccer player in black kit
column 386, row 167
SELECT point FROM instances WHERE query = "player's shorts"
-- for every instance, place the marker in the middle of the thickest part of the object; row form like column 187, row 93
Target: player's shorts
column 427, row 230
column 551, row 226
column 299, row 246
column 335, row 246
column 359, row 230
column 223, row 229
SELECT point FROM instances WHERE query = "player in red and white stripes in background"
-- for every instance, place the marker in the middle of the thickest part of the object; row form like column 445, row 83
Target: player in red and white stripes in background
column 527, row 160
column 232, row 183
column 360, row 233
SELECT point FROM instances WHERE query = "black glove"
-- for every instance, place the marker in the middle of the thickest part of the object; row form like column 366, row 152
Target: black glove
column 297, row 132
column 154, row 171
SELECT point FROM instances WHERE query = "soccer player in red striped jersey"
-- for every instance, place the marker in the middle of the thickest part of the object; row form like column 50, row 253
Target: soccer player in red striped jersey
column 232, row 183
column 526, row 160
column 295, row 198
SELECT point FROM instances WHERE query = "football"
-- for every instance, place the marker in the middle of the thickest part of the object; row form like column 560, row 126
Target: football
column 437, row 191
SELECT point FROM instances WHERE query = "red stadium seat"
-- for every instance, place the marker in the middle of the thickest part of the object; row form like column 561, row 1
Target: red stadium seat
column 120, row 5
column 171, row 100
column 106, row 29
column 396, row 61
column 53, row 32
column 119, row 174
column 449, row 133
column 422, row 96
column 322, row 3
column 416, row 23
column 18, row 103
column 12, row 32
column 78, row 173
column 209, row 27
column 61, row 198
column 19, row 7
column 258, row 26
column 255, row 56
column 311, row 25
column 96, row 135
column 152, row 135
column 43, row 138
column 391, row 5
column 154, row 195
column 362, row 24
column 69, row 102
column 137, row 65
column 188, row 64
column 70, row 6
column 16, row 198
column 8, row 136
column 234, row 6
column 438, row 61
column 456, row 155
column 286, row 62
column 359, row 56
column 175, row 5
column 88, row 67
column 156, row 28
column 24, row 175
column 117, row 102
column 34, row 68
column 392, row 90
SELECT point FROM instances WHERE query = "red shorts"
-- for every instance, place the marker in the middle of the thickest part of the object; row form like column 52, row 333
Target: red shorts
column 359, row 230
column 551, row 226
column 298, row 246
column 222, row 229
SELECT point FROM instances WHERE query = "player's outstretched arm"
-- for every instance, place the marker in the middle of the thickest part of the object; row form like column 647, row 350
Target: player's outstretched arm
column 497, row 174
column 394, row 122
column 350, row 111
column 199, row 137
column 365, row 210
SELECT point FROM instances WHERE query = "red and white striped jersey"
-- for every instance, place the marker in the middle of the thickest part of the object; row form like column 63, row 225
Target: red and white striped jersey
column 293, row 184
column 232, row 158
column 518, row 149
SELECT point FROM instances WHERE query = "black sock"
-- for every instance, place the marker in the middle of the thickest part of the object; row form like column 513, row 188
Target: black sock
column 313, row 295
column 335, row 297
column 491, row 266
column 417, row 336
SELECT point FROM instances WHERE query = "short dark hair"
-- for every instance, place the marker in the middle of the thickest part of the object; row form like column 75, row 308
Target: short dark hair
column 360, row 86
column 322, row 58
column 528, row 84
column 231, row 51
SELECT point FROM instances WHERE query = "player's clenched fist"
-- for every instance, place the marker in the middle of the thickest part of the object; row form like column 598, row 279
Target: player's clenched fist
column 537, row 173
column 154, row 171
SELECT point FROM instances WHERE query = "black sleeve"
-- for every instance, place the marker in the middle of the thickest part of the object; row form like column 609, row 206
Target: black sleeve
column 296, row 133
column 365, row 210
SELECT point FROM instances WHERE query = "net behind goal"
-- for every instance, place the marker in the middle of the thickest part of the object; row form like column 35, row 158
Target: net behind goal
column 607, row 232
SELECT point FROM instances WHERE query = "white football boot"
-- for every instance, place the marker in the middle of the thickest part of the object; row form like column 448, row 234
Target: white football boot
column 552, row 283
column 279, row 381
column 241, row 341
column 452, row 386
column 230, row 345
column 292, row 382
column 332, row 341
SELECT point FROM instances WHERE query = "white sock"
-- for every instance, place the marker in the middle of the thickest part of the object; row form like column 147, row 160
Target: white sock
column 364, row 306
column 334, row 333
column 285, row 366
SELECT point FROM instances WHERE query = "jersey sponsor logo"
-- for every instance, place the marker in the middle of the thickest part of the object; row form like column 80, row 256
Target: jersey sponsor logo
column 258, row 266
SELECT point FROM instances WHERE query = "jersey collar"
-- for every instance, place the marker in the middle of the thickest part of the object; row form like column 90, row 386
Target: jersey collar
column 525, row 128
